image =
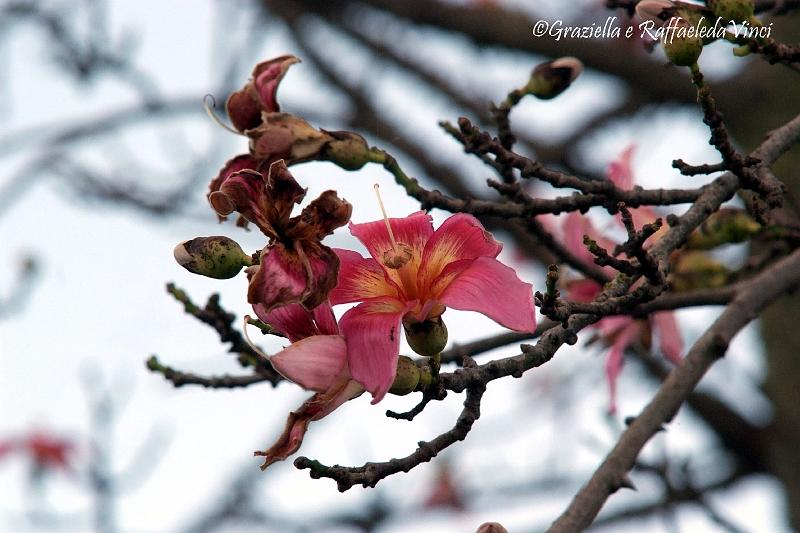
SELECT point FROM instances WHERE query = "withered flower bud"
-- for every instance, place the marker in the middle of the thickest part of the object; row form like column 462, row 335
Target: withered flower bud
column 550, row 79
column 245, row 107
column 214, row 257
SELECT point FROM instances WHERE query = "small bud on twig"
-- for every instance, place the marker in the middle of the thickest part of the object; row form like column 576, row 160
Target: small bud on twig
column 550, row 79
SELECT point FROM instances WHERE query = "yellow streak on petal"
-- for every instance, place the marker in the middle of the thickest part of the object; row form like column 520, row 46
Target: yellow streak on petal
column 367, row 283
column 445, row 252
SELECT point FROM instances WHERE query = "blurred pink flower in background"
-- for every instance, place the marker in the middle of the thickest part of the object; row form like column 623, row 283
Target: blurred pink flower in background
column 618, row 332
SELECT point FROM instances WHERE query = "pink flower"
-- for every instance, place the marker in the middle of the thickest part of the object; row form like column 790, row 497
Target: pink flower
column 295, row 267
column 317, row 361
column 411, row 278
column 619, row 332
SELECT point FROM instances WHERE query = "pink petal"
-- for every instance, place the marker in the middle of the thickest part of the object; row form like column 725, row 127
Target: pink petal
column 267, row 75
column 315, row 408
column 286, row 136
column 669, row 335
column 459, row 237
column 583, row 290
column 304, row 276
column 646, row 215
column 413, row 231
column 323, row 268
column 619, row 171
column 321, row 217
column 280, row 279
column 283, row 192
column 611, row 325
column 244, row 191
column 291, row 438
column 575, row 226
column 615, row 360
column 314, row 363
column 244, row 109
column 240, row 162
column 292, row 320
column 338, row 394
column 325, row 319
column 360, row 279
column 488, row 286
column 372, row 330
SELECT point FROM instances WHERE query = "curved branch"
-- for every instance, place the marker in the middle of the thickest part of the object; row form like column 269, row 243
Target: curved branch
column 371, row 473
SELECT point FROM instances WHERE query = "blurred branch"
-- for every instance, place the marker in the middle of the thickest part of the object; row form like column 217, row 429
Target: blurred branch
column 371, row 473
column 458, row 352
column 21, row 288
column 774, row 7
column 222, row 322
column 179, row 379
column 87, row 56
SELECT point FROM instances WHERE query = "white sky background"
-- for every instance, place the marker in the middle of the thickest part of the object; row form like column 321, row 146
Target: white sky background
column 100, row 308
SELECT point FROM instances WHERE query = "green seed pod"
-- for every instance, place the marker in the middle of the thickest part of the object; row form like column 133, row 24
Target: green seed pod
column 550, row 79
column 215, row 257
column 697, row 19
column 426, row 338
column 407, row 377
column 732, row 10
column 347, row 150
column 682, row 48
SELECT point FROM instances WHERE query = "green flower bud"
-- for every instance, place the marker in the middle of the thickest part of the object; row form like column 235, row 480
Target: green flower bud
column 215, row 257
column 550, row 79
column 732, row 10
column 682, row 46
column 723, row 227
column 428, row 337
column 407, row 377
column 347, row 150
column 697, row 19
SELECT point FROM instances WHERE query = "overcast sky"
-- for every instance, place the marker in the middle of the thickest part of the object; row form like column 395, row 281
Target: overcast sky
column 99, row 308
